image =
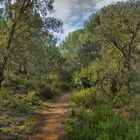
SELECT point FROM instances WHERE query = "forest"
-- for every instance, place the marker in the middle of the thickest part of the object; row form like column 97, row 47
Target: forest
column 96, row 66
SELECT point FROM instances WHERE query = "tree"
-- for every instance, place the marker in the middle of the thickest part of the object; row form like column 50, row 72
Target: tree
column 118, row 27
column 21, row 17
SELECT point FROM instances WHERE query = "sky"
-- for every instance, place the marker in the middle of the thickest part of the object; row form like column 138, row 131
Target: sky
column 73, row 13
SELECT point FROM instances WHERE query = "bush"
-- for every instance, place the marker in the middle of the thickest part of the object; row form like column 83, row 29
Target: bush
column 66, row 86
column 53, row 80
column 19, row 84
column 97, row 118
column 32, row 98
column 85, row 78
column 88, row 98
column 18, row 112
column 103, row 124
column 47, row 91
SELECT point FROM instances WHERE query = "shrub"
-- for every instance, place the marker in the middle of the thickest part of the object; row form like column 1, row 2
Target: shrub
column 103, row 124
column 85, row 78
column 89, row 98
column 54, row 80
column 66, row 86
column 97, row 118
column 32, row 98
column 47, row 91
column 17, row 113
column 19, row 84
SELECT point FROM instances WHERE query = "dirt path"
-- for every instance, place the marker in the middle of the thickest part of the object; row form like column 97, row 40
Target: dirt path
column 52, row 121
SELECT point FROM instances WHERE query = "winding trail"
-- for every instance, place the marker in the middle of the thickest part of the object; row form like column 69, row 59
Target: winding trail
column 53, row 120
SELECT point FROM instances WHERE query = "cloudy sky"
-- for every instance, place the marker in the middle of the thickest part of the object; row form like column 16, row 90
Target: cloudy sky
column 74, row 12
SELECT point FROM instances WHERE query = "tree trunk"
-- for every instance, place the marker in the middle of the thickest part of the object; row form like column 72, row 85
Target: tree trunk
column 1, row 76
column 129, row 78
column 114, row 86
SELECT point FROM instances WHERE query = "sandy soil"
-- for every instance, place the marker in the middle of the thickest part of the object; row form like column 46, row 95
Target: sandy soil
column 52, row 121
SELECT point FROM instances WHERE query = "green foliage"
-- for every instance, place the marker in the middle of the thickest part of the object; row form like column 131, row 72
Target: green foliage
column 85, row 78
column 30, row 63
column 102, row 60
column 103, row 125
column 88, row 98
column 79, row 50
column 19, row 83
column 47, row 91
column 110, row 40
column 66, row 85
column 123, row 97
column 105, row 56
column 17, row 113
column 83, row 97
column 98, row 119
column 54, row 80
column 32, row 98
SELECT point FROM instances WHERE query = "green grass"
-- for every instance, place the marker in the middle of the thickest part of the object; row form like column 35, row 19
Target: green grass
column 18, row 113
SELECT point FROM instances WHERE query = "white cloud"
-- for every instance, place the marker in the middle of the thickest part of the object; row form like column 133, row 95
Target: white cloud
column 75, row 12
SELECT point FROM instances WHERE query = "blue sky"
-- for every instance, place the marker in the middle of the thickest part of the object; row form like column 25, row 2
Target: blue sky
column 74, row 12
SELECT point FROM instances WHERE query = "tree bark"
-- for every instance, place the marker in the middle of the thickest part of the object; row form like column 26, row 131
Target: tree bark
column 1, row 76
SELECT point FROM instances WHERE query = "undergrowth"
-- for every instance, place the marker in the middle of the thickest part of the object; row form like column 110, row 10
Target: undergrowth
column 18, row 113
column 99, row 116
